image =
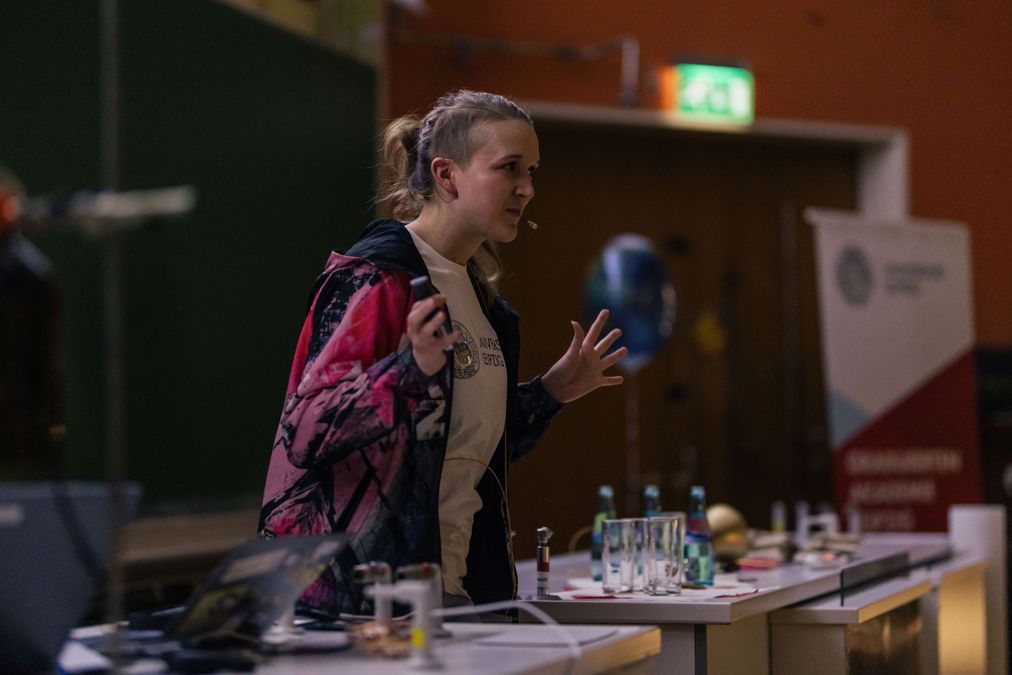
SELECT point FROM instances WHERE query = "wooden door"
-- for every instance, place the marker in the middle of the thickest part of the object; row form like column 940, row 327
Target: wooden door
column 734, row 400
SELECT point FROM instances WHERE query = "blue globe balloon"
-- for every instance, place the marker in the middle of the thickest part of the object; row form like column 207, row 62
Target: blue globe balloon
column 631, row 281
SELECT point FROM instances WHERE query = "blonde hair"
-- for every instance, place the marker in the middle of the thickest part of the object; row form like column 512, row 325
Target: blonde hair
column 410, row 144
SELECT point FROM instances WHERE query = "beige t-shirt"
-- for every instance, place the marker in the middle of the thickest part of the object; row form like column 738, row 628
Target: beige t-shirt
column 478, row 412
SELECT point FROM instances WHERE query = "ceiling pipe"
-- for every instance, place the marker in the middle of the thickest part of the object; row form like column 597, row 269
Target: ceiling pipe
column 627, row 46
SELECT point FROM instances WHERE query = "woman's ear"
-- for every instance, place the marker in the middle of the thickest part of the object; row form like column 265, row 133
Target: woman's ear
column 443, row 170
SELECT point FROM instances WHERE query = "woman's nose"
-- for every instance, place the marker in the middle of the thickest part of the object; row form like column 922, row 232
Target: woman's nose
column 525, row 188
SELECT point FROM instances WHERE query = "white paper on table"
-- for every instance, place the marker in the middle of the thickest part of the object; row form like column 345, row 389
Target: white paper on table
column 543, row 636
column 76, row 658
column 582, row 583
column 587, row 589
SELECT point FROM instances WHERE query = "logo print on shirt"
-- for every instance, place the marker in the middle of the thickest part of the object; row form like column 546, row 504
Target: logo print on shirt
column 465, row 353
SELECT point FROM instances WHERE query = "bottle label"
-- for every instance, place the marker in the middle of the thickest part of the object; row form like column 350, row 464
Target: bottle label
column 699, row 560
column 543, row 582
column 697, row 525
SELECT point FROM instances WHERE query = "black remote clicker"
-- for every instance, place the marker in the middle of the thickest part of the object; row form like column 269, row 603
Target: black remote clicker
column 422, row 288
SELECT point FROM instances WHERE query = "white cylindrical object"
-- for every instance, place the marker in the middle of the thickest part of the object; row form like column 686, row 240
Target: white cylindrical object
column 801, row 525
column 853, row 520
column 384, row 610
column 418, row 593
column 437, row 597
column 980, row 529
column 778, row 516
column 422, row 628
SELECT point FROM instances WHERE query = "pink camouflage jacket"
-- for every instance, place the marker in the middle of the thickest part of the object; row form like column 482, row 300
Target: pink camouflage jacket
column 360, row 444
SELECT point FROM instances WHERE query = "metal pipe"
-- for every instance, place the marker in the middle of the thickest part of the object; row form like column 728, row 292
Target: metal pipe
column 627, row 46
column 115, row 419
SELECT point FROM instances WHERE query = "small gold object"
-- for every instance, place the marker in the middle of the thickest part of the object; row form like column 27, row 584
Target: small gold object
column 729, row 531
column 391, row 641
column 531, row 224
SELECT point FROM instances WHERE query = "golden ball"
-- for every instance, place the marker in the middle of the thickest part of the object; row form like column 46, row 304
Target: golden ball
column 729, row 531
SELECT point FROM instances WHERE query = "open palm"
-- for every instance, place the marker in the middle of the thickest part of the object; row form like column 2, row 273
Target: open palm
column 581, row 369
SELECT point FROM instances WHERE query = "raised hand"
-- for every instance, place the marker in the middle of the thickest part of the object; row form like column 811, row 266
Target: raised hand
column 581, row 369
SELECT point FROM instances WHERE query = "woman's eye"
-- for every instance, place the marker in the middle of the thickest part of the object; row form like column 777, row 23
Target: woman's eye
column 510, row 166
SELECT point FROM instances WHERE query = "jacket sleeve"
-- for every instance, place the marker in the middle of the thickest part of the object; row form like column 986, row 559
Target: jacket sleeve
column 534, row 409
column 360, row 382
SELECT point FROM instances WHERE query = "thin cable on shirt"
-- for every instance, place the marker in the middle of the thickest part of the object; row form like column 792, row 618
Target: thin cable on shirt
column 345, row 616
column 537, row 613
column 502, row 489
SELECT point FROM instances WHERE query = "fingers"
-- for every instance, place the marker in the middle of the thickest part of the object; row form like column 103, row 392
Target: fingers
column 421, row 309
column 595, row 328
column 578, row 335
column 605, row 344
column 425, row 312
column 613, row 358
column 612, row 380
column 433, row 322
column 434, row 325
column 447, row 341
column 425, row 320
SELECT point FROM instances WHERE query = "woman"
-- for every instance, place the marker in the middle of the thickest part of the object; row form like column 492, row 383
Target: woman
column 382, row 436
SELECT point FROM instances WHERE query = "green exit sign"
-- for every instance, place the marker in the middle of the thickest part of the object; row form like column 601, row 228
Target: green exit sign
column 714, row 94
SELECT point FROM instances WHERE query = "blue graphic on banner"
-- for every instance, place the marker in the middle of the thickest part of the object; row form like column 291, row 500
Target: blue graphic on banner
column 845, row 418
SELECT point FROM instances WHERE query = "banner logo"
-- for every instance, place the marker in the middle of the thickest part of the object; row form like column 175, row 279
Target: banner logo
column 853, row 276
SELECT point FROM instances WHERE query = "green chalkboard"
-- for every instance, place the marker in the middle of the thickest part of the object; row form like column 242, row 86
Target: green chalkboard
column 277, row 135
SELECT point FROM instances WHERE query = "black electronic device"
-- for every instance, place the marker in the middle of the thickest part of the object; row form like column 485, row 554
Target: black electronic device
column 204, row 661
column 233, row 607
column 55, row 550
column 422, row 288
column 252, row 588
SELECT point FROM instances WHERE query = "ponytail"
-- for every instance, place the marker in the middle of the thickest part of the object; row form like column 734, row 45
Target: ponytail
column 400, row 159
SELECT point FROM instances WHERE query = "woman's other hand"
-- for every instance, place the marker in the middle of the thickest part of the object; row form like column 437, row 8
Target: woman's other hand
column 581, row 369
column 427, row 346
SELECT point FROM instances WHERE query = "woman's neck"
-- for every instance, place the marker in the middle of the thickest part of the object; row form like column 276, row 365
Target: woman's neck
column 440, row 234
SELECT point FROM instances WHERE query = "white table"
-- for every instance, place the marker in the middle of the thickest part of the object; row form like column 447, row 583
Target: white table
column 931, row 620
column 877, row 629
column 717, row 635
column 493, row 648
column 464, row 653
column 955, row 617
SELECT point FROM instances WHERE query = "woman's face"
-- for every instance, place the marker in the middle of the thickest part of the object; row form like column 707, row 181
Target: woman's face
column 496, row 185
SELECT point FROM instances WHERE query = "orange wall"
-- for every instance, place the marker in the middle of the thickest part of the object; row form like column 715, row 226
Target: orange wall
column 938, row 69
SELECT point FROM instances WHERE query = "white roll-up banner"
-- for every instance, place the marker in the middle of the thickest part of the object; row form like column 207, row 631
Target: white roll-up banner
column 896, row 312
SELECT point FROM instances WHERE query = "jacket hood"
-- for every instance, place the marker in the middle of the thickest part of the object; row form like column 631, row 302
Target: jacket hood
column 387, row 244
